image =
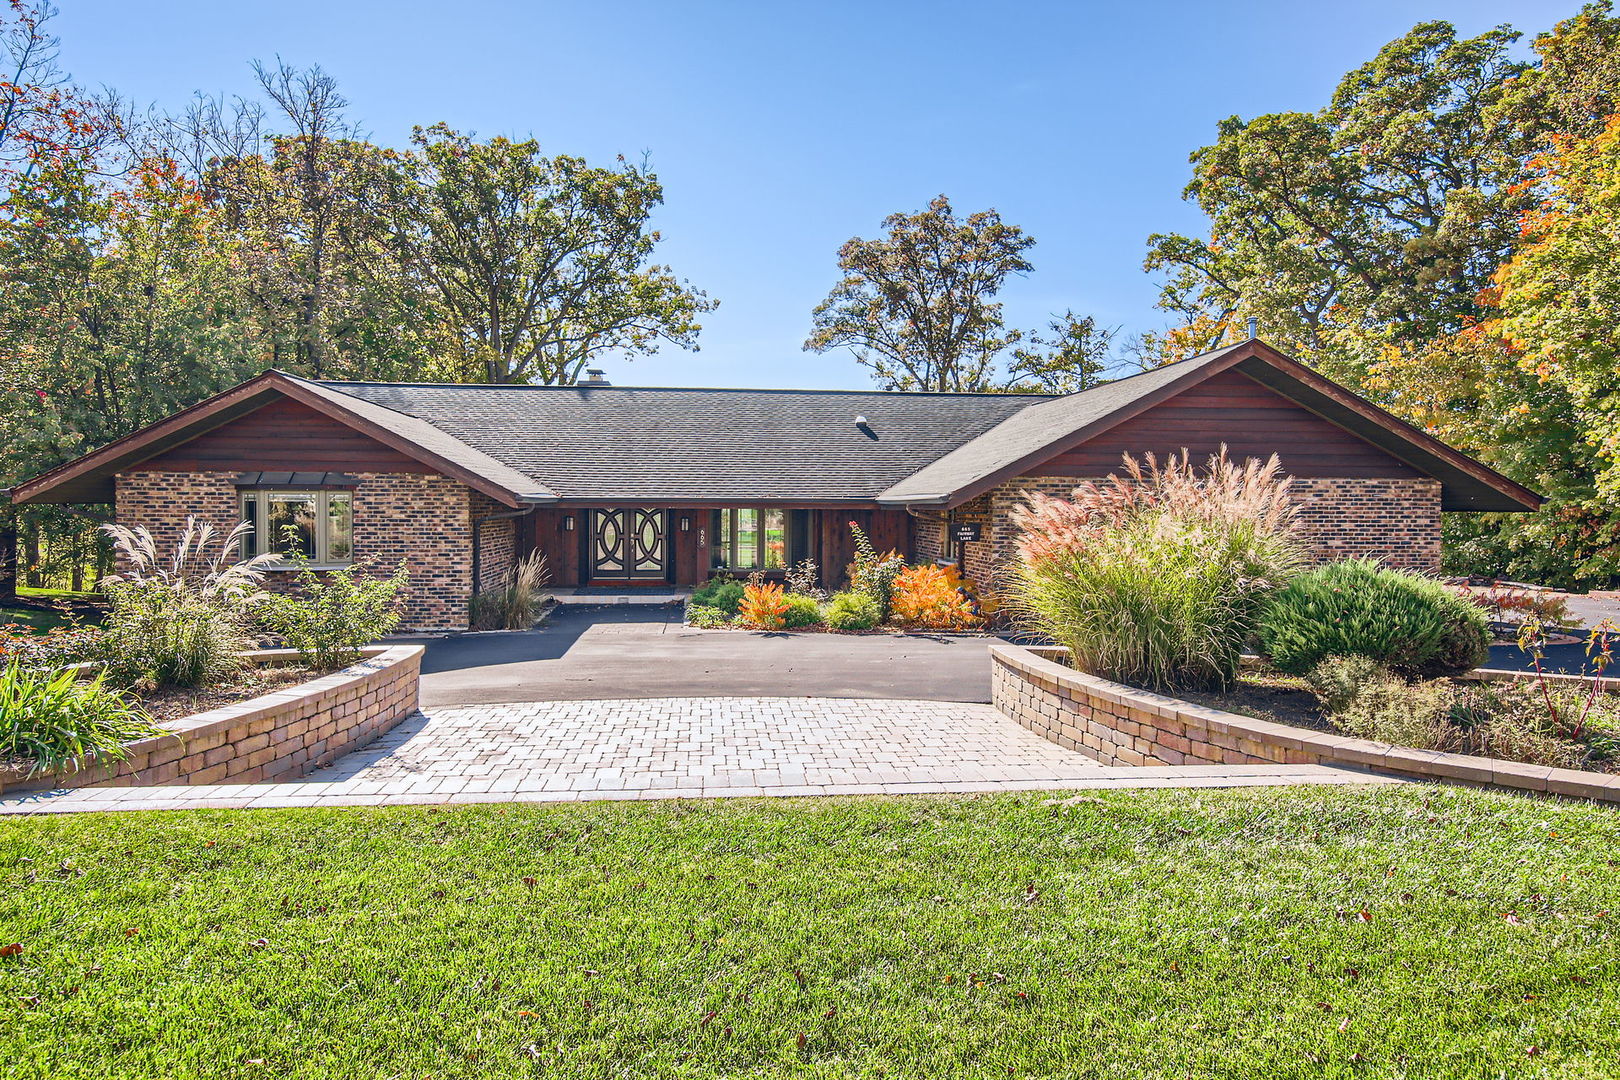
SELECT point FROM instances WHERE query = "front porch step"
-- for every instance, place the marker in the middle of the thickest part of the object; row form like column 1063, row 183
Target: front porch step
column 597, row 594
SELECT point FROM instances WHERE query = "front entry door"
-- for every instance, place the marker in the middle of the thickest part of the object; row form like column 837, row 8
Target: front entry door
column 629, row 544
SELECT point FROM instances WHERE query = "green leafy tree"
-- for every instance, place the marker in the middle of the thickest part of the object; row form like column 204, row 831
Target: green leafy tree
column 1373, row 221
column 538, row 264
column 306, row 200
column 1073, row 355
column 918, row 306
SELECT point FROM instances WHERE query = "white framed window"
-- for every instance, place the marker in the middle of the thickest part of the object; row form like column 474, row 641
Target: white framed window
column 319, row 525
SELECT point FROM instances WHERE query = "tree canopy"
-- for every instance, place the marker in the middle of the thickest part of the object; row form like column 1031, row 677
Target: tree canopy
column 1441, row 235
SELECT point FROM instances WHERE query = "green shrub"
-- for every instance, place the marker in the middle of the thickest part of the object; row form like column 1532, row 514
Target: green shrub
column 180, row 620
column 1154, row 578
column 853, row 611
column 517, row 602
column 1366, row 700
column 874, row 574
column 707, row 618
column 61, row 645
column 1410, row 623
column 62, row 723
column 336, row 612
column 801, row 611
column 1511, row 721
column 721, row 592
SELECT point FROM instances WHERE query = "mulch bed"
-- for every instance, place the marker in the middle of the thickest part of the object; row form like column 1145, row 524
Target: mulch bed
column 1282, row 699
column 171, row 704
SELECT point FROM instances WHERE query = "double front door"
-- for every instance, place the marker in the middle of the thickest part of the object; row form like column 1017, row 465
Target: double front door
column 629, row 544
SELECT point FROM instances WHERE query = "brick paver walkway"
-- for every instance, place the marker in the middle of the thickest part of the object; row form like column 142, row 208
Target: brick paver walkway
column 687, row 747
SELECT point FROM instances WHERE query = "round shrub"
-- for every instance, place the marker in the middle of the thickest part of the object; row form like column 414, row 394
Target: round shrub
column 853, row 611
column 706, row 618
column 723, row 593
column 1412, row 624
column 801, row 611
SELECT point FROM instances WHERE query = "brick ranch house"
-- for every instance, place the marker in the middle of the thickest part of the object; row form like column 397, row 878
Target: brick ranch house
column 653, row 486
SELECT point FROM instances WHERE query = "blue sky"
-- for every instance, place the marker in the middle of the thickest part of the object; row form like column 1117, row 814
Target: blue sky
column 781, row 130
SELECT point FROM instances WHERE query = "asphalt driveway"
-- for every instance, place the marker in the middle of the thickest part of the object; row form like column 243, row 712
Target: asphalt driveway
column 642, row 651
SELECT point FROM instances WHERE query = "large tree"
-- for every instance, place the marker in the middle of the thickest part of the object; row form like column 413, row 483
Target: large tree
column 918, row 306
column 306, row 197
column 538, row 264
column 1072, row 354
column 1370, row 223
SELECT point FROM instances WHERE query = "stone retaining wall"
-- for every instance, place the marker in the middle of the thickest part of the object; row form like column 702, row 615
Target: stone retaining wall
column 1121, row 725
column 273, row 737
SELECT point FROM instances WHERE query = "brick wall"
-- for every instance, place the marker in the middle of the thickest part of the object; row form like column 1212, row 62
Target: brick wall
column 422, row 518
column 1122, row 726
column 1395, row 520
column 275, row 737
column 497, row 540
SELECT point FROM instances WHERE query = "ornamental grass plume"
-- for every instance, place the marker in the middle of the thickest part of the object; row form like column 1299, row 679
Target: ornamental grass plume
column 1154, row 577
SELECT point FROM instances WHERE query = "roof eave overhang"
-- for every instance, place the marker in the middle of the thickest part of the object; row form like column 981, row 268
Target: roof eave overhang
column 1466, row 485
column 88, row 478
column 1085, row 432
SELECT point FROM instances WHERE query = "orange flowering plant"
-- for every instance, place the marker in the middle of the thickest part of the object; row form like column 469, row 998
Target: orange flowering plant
column 764, row 606
column 930, row 596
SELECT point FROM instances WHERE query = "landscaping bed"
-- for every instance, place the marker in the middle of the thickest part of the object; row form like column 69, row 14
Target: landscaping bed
column 1388, row 932
column 167, row 689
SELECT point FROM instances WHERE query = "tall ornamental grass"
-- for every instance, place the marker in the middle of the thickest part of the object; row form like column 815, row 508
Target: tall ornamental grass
column 180, row 619
column 1154, row 578
column 518, row 601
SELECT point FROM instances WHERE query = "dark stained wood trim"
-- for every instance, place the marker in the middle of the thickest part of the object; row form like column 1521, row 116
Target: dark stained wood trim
column 1095, row 428
column 137, row 441
column 398, row 442
column 676, row 502
column 1382, row 417
column 133, row 446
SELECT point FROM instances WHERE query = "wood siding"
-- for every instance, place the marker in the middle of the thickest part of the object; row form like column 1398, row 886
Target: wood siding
column 832, row 545
column 1250, row 419
column 284, row 436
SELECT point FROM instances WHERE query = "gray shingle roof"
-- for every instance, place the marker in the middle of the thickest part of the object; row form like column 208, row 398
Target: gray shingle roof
column 663, row 444
column 493, row 468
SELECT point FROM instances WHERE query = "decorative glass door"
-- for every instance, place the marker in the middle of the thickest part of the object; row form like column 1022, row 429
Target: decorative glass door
column 628, row 544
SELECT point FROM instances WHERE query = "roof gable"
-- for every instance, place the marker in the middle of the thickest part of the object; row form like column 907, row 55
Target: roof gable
column 90, row 478
column 1023, row 442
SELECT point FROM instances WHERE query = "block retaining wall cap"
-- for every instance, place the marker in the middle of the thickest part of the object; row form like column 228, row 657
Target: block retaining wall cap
column 241, row 737
column 1140, row 724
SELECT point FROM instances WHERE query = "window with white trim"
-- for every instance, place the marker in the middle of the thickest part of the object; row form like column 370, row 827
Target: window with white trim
column 319, row 525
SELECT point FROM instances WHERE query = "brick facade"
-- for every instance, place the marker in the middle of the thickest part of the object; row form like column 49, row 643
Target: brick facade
column 1393, row 520
column 422, row 518
column 497, row 540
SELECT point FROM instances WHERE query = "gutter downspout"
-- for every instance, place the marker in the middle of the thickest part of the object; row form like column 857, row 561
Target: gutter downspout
column 477, row 547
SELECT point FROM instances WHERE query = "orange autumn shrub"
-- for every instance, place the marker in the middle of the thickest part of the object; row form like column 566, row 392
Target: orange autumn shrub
column 764, row 606
column 927, row 596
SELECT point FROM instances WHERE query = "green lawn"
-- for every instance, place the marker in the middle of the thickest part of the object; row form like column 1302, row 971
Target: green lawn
column 34, row 619
column 57, row 594
column 1392, row 932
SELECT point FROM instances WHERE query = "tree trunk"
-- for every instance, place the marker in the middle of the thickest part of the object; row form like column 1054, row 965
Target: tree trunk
column 8, row 553
column 31, row 555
